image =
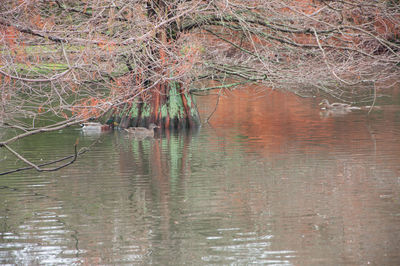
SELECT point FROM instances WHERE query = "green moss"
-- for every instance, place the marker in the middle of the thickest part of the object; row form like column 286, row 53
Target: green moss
column 175, row 102
column 146, row 110
column 134, row 112
column 193, row 110
column 44, row 68
column 164, row 111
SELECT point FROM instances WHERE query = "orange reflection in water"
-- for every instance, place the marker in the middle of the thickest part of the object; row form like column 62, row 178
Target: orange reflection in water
column 269, row 121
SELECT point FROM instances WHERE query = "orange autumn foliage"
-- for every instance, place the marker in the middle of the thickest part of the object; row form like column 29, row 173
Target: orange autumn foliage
column 87, row 108
column 37, row 21
column 10, row 35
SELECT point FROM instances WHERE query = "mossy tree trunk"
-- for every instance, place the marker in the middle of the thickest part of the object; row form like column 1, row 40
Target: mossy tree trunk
column 168, row 104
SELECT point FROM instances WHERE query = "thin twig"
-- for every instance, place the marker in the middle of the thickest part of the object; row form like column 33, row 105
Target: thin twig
column 215, row 108
column 373, row 103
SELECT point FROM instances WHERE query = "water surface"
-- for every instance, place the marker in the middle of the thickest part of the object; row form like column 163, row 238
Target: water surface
column 270, row 180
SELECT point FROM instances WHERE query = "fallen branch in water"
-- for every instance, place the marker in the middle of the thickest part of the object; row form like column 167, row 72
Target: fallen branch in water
column 54, row 127
column 38, row 167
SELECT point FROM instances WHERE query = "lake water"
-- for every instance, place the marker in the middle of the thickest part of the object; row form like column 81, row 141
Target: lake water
column 269, row 180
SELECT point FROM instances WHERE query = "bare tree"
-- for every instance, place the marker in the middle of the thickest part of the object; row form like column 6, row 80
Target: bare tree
column 64, row 61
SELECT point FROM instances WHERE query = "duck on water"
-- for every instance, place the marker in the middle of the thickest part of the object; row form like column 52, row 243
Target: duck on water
column 325, row 105
column 97, row 126
column 142, row 132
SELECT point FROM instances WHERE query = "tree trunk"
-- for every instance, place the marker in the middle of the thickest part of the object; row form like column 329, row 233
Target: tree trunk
column 175, row 110
column 170, row 105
